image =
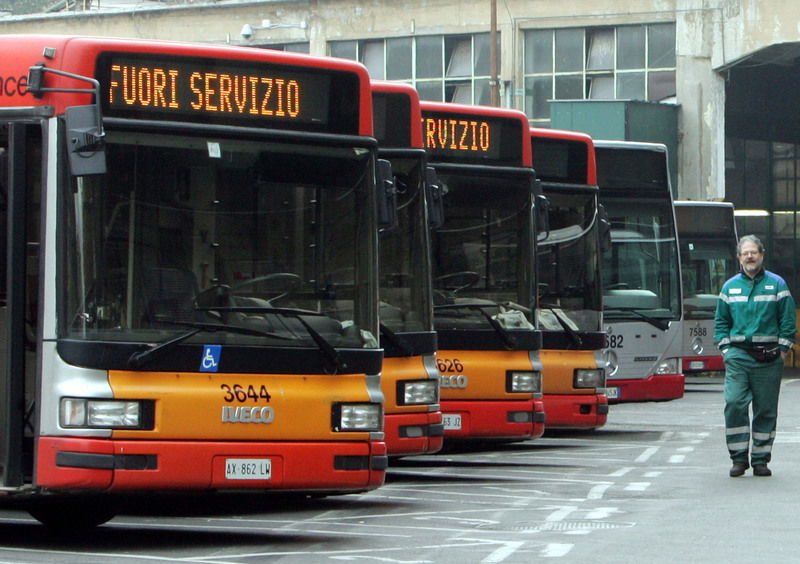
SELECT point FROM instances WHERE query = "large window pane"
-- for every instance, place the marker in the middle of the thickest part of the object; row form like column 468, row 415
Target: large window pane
column 661, row 46
column 600, row 45
column 481, row 44
column 601, row 87
column 372, row 57
column 431, row 90
column 304, row 47
column 429, row 57
column 458, row 92
column 630, row 86
column 569, row 87
column 660, row 85
column 539, row 51
column 630, row 47
column 398, row 58
column 569, row 50
column 483, row 95
column 538, row 90
column 458, row 53
column 344, row 49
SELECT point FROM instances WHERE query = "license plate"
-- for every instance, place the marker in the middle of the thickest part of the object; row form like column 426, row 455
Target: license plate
column 452, row 421
column 612, row 393
column 696, row 365
column 248, row 469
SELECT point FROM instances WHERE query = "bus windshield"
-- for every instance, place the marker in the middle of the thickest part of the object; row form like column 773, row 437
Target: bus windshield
column 705, row 266
column 569, row 288
column 479, row 254
column 641, row 270
column 248, row 237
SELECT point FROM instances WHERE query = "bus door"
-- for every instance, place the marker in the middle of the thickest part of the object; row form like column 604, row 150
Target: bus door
column 20, row 150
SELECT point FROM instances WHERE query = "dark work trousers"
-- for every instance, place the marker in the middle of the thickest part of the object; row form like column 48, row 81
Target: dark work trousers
column 749, row 381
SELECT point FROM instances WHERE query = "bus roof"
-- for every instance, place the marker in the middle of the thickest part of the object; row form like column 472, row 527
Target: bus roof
column 407, row 109
column 582, row 171
column 79, row 55
column 510, row 147
column 640, row 145
column 703, row 204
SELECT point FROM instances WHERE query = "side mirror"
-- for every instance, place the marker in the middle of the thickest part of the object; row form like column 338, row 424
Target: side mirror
column 604, row 228
column 435, row 191
column 386, row 196
column 542, row 217
column 85, row 144
column 84, row 123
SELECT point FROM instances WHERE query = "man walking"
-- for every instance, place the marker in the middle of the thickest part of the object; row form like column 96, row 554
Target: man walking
column 754, row 328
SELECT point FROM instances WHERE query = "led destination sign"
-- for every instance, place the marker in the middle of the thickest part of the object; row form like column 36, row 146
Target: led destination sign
column 472, row 138
column 228, row 92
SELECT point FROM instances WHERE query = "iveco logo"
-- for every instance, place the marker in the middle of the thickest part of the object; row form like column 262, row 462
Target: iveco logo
column 232, row 414
column 611, row 362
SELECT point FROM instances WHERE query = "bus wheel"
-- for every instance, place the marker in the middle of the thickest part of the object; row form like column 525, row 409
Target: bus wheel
column 73, row 514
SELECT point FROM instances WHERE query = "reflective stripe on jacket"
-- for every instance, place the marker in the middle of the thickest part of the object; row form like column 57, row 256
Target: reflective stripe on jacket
column 758, row 311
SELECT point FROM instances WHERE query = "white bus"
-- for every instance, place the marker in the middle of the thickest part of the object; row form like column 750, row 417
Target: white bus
column 707, row 239
column 642, row 300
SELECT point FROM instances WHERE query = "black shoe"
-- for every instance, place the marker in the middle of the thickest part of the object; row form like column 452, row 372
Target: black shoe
column 761, row 470
column 738, row 469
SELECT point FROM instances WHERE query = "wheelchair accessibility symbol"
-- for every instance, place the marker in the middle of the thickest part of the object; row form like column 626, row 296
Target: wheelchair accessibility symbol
column 210, row 360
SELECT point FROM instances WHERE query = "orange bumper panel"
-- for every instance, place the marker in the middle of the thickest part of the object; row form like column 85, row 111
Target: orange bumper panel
column 512, row 420
column 576, row 411
column 408, row 434
column 117, row 465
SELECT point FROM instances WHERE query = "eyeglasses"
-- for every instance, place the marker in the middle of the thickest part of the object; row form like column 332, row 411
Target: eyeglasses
column 749, row 253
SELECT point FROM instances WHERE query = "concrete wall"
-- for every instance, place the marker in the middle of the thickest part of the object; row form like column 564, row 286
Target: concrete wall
column 710, row 34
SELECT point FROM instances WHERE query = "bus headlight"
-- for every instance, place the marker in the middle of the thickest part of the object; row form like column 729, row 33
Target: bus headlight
column 529, row 381
column 417, row 392
column 106, row 414
column 589, row 378
column 667, row 366
column 357, row 417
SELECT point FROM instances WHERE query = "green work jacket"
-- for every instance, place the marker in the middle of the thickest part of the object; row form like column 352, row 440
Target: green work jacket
column 752, row 312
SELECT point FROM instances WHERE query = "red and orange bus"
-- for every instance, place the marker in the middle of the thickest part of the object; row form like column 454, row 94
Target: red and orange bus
column 570, row 288
column 189, row 273
column 484, row 272
column 409, row 379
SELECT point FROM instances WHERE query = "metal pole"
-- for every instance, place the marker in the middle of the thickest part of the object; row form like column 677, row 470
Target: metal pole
column 494, row 90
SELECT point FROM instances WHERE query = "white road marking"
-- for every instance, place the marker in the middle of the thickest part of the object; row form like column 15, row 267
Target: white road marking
column 645, row 456
column 556, row 550
column 503, row 552
column 637, row 486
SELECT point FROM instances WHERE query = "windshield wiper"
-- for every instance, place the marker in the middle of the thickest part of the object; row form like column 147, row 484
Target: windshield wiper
column 508, row 340
column 329, row 352
column 140, row 358
column 655, row 322
column 562, row 320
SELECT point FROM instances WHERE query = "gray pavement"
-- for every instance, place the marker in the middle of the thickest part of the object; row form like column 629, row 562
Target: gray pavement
column 650, row 487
